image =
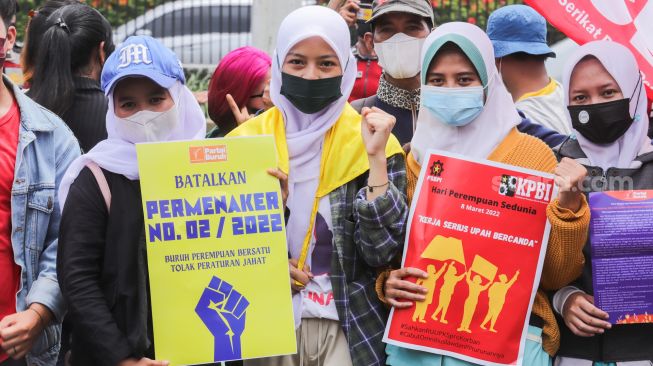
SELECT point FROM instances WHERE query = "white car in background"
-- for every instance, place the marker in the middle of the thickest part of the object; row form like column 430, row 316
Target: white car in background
column 200, row 32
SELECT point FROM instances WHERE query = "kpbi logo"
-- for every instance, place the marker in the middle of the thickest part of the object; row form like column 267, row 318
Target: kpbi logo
column 527, row 188
column 134, row 54
column 508, row 185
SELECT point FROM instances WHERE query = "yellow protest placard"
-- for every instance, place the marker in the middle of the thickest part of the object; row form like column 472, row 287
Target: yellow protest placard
column 216, row 250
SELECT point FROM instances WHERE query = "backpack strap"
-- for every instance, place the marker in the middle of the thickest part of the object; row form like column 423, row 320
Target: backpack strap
column 102, row 182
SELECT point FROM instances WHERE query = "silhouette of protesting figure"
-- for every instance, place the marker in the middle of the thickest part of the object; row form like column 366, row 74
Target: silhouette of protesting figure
column 497, row 298
column 475, row 289
column 429, row 283
column 222, row 309
column 446, row 292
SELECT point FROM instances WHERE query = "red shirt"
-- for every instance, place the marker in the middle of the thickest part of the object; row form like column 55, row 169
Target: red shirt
column 9, row 270
column 367, row 79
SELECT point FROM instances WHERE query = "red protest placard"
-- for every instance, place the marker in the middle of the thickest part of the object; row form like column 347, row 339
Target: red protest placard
column 479, row 228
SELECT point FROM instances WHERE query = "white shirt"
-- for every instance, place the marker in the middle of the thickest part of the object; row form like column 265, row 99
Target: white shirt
column 317, row 297
column 546, row 107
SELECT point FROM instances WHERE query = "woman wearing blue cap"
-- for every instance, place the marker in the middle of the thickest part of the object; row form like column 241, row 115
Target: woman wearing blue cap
column 101, row 264
column 466, row 110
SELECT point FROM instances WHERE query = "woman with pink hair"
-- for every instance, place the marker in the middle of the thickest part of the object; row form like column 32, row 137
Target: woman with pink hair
column 237, row 88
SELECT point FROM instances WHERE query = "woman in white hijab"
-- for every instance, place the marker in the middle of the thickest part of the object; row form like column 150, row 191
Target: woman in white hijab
column 606, row 99
column 346, row 183
column 466, row 109
column 101, row 263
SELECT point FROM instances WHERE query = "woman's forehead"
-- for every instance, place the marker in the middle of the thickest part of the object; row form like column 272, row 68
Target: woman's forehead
column 590, row 70
column 312, row 45
column 452, row 58
column 136, row 86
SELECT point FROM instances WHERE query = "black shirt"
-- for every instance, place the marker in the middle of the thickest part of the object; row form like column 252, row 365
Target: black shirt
column 87, row 115
column 102, row 271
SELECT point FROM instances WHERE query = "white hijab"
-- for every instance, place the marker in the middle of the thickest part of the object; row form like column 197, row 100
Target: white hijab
column 305, row 132
column 621, row 64
column 119, row 156
column 481, row 136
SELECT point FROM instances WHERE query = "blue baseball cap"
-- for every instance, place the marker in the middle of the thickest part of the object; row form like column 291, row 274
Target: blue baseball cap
column 142, row 56
column 518, row 28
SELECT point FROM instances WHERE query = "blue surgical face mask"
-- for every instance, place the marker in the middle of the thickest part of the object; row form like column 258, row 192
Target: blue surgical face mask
column 453, row 106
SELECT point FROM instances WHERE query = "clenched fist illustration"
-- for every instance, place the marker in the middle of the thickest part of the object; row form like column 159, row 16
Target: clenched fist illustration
column 222, row 309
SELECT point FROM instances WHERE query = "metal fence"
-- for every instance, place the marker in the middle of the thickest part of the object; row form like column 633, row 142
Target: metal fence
column 201, row 32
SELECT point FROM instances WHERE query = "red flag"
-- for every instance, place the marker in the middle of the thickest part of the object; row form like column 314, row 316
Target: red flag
column 629, row 22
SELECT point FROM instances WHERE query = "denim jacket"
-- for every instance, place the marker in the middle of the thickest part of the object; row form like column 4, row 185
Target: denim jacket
column 46, row 147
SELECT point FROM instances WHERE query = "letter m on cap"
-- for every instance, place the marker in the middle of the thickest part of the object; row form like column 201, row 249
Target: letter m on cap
column 134, row 54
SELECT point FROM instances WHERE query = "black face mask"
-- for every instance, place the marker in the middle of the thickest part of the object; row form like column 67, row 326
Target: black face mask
column 602, row 123
column 310, row 96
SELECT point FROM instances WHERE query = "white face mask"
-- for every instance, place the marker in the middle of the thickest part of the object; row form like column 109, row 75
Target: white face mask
column 147, row 126
column 400, row 55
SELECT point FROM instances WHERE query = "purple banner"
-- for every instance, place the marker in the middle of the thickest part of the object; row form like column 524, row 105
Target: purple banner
column 621, row 233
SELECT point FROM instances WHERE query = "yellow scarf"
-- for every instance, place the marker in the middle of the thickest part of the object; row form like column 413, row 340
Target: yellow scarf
column 344, row 156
